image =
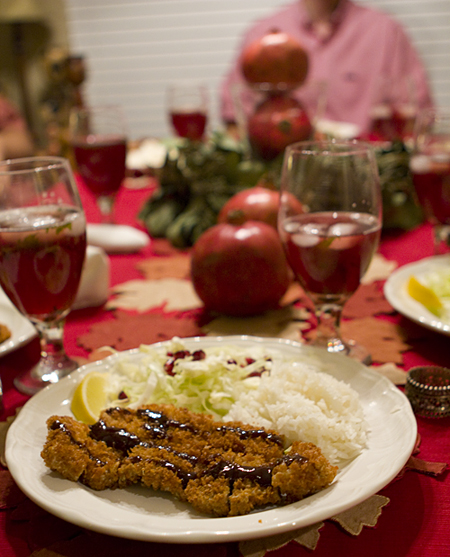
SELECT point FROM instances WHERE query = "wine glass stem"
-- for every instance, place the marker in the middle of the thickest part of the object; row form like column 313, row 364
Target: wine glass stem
column 328, row 327
column 106, row 205
column 54, row 363
column 441, row 239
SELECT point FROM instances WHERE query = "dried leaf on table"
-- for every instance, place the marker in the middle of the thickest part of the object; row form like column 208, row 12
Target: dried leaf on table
column 129, row 330
column 395, row 374
column 4, row 426
column 10, row 494
column 161, row 246
column 283, row 323
column 142, row 295
column 296, row 294
column 379, row 269
column 175, row 266
column 364, row 514
column 367, row 301
column 308, row 537
column 384, row 340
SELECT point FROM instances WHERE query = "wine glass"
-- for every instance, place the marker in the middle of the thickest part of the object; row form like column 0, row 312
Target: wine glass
column 187, row 105
column 99, row 141
column 330, row 222
column 430, row 169
column 42, row 250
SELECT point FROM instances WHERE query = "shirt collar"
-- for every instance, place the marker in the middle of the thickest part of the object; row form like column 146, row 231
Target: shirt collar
column 336, row 18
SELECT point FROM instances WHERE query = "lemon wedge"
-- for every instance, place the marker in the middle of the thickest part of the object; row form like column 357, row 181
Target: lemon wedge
column 90, row 397
column 425, row 296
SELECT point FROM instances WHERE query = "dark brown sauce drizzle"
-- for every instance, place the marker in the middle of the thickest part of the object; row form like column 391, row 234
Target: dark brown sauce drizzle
column 57, row 424
column 124, row 441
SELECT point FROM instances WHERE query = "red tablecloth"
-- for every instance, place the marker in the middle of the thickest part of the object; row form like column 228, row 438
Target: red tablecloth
column 415, row 523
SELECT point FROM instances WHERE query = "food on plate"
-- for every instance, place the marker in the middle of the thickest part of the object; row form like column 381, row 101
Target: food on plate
column 5, row 333
column 424, row 296
column 432, row 290
column 220, row 468
column 250, row 384
column 90, row 397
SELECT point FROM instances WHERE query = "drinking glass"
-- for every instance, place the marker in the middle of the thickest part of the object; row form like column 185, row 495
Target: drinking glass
column 42, row 250
column 430, row 168
column 99, row 141
column 329, row 222
column 187, row 105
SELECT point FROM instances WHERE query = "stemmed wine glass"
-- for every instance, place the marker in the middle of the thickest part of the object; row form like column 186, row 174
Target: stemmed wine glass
column 430, row 169
column 99, row 141
column 187, row 105
column 42, row 250
column 329, row 222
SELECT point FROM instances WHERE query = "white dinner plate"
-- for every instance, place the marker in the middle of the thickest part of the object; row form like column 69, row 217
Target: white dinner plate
column 397, row 295
column 22, row 330
column 140, row 513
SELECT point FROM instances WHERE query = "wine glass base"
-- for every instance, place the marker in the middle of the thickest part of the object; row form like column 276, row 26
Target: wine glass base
column 348, row 348
column 36, row 379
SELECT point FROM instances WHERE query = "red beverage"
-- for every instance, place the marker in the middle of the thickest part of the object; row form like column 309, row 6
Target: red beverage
column 42, row 252
column 101, row 162
column 189, row 124
column 329, row 252
column 431, row 178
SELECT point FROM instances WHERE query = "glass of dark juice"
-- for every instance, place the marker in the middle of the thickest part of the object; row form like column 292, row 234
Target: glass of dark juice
column 99, row 142
column 42, row 250
column 430, row 169
column 329, row 222
column 187, row 105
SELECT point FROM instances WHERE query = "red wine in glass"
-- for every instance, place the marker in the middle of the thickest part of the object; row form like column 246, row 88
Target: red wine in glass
column 187, row 106
column 330, row 252
column 329, row 221
column 41, row 265
column 101, row 162
column 99, row 142
column 430, row 169
column 188, row 124
column 42, row 250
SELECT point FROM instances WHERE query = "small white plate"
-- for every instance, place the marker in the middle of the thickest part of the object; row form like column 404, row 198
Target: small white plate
column 22, row 330
column 117, row 238
column 140, row 513
column 397, row 295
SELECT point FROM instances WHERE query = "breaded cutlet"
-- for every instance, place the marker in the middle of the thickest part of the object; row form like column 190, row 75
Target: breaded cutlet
column 220, row 468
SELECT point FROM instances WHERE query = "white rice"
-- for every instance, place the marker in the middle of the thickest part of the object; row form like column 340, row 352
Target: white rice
column 304, row 404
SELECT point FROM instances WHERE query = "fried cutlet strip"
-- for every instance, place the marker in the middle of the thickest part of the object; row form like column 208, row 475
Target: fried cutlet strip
column 222, row 469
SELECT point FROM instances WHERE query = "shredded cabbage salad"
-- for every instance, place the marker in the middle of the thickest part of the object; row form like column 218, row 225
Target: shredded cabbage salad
column 207, row 380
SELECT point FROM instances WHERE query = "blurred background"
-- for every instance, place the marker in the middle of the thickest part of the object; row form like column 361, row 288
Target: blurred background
column 126, row 52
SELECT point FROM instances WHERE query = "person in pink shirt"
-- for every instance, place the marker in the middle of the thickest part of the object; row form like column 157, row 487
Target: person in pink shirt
column 15, row 138
column 360, row 57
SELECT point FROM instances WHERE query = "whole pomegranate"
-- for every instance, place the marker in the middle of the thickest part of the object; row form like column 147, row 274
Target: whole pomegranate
column 257, row 203
column 276, row 123
column 239, row 270
column 276, row 59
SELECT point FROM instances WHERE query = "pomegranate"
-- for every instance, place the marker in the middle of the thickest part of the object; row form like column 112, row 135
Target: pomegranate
column 276, row 123
column 276, row 59
column 239, row 270
column 257, row 203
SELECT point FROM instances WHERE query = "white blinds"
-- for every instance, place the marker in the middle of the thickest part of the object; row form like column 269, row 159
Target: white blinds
column 134, row 48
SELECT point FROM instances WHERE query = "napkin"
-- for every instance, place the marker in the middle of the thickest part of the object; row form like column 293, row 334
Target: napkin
column 94, row 283
column 117, row 238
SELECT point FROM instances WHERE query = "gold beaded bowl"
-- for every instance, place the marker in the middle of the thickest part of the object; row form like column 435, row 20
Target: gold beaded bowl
column 428, row 390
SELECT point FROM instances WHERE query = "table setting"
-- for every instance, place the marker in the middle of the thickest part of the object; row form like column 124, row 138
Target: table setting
column 190, row 373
